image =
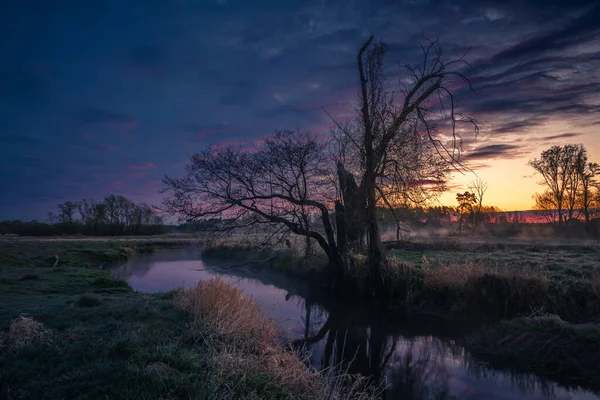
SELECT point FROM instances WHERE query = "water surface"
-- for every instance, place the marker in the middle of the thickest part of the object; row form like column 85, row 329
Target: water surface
column 415, row 358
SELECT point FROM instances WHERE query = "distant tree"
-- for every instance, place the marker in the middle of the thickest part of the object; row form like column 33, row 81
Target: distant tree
column 99, row 214
column 589, row 190
column 52, row 218
column 86, row 210
column 111, row 216
column 466, row 202
column 561, row 169
column 546, row 206
column 478, row 187
column 67, row 212
column 435, row 215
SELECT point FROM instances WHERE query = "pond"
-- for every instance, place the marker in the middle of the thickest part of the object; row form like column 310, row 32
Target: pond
column 415, row 358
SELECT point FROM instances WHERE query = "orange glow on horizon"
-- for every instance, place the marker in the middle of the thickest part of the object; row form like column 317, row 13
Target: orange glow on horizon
column 511, row 182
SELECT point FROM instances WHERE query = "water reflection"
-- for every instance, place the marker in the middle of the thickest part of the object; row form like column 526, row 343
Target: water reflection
column 411, row 363
column 414, row 358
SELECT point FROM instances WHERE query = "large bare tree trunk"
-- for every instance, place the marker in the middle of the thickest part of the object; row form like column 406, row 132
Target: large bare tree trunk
column 355, row 208
column 375, row 250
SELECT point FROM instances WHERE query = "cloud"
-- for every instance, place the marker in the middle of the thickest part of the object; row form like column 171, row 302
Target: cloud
column 493, row 151
column 561, row 136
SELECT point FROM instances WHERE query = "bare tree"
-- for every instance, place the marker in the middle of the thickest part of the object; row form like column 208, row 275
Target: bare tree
column 273, row 187
column 562, row 169
column 86, row 210
column 478, row 187
column 52, row 218
column 388, row 125
column 588, row 186
column 392, row 148
column 67, row 212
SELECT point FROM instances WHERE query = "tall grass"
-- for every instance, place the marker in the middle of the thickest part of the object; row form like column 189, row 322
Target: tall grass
column 253, row 347
column 26, row 330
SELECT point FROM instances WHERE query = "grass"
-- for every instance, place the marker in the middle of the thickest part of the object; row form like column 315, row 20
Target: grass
column 468, row 286
column 252, row 346
column 558, row 260
column 88, row 300
column 76, row 332
column 545, row 345
column 460, row 284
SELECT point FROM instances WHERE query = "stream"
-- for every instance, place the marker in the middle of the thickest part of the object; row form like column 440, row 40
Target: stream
column 416, row 358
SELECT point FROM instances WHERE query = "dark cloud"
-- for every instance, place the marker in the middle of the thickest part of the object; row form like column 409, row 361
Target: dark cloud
column 493, row 151
column 561, row 136
column 578, row 31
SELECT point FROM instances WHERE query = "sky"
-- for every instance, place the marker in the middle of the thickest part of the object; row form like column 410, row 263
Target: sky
column 109, row 96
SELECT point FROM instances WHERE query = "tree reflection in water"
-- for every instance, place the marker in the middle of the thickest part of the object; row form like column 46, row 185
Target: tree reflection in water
column 409, row 364
column 408, row 369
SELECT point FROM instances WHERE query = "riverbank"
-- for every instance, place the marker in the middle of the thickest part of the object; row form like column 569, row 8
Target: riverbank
column 457, row 287
column 545, row 345
column 73, row 330
column 471, row 289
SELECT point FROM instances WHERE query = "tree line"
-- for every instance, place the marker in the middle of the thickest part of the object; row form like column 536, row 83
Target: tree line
column 572, row 190
column 114, row 215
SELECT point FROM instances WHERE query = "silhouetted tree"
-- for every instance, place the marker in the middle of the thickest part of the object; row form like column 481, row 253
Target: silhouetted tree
column 478, row 187
column 67, row 212
column 86, row 210
column 392, row 141
column 391, row 146
column 561, row 168
column 132, row 219
column 588, row 186
column 272, row 186
column 466, row 202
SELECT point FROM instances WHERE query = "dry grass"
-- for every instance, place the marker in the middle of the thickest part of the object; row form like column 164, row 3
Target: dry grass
column 254, row 349
column 233, row 314
column 26, row 330
column 501, row 291
column 459, row 275
column 451, row 275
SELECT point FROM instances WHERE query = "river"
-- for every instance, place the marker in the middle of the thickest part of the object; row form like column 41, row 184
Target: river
column 415, row 358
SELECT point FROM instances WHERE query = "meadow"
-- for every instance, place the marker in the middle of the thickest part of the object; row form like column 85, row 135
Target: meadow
column 73, row 331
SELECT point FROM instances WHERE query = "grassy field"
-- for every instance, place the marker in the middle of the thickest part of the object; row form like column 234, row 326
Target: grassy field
column 557, row 260
column 74, row 332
